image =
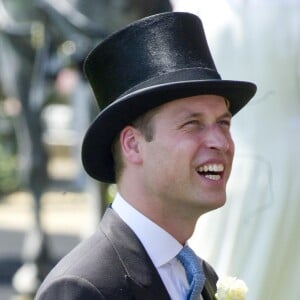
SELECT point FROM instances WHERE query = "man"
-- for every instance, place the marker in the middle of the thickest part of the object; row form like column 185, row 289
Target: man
column 163, row 135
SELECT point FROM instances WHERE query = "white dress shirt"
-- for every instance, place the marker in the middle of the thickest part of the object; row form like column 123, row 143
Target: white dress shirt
column 161, row 247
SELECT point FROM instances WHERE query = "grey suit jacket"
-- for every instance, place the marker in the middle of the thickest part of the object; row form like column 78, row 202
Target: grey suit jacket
column 111, row 264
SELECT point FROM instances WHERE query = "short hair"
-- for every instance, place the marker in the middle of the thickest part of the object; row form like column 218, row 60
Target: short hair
column 145, row 125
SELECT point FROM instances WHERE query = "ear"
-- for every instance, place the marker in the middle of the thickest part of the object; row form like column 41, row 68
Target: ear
column 130, row 144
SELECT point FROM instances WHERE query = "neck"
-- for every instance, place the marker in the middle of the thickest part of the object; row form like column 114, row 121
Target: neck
column 180, row 229
column 177, row 223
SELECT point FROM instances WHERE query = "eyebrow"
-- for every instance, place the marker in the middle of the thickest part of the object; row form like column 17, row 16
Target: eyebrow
column 227, row 114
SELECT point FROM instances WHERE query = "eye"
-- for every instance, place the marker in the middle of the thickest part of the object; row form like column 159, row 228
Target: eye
column 191, row 123
column 225, row 123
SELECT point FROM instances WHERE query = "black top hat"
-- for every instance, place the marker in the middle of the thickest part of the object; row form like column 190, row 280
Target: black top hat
column 150, row 62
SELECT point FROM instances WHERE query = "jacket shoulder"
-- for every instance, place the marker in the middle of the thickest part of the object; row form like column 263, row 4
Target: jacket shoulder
column 111, row 264
column 71, row 288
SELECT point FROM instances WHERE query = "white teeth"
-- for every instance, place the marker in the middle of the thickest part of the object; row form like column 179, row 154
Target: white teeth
column 211, row 168
column 213, row 177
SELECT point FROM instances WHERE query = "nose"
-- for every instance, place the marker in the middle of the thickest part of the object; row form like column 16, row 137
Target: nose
column 218, row 139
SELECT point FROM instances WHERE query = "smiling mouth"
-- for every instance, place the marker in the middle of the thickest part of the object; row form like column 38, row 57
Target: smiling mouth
column 211, row 171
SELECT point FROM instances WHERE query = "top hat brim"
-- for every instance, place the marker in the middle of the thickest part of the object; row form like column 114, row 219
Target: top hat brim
column 122, row 112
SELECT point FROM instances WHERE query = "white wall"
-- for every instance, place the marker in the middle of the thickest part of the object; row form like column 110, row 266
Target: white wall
column 256, row 236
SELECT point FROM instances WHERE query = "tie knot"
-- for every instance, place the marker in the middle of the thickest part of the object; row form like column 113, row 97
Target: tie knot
column 194, row 271
column 191, row 262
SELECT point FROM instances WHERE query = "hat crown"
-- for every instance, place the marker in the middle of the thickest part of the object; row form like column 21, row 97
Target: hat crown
column 146, row 52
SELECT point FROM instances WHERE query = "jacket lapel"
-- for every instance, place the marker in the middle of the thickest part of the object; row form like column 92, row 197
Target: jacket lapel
column 142, row 277
column 209, row 290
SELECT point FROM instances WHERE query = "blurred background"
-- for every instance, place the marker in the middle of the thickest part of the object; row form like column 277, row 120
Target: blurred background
column 47, row 202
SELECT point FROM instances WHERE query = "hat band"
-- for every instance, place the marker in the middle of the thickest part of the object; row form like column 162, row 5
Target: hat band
column 182, row 75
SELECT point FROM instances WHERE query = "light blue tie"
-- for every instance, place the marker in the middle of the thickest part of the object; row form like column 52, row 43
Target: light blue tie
column 194, row 272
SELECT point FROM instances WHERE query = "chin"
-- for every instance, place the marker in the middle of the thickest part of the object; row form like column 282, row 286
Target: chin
column 216, row 203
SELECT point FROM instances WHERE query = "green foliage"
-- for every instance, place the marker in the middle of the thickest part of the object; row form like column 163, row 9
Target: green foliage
column 8, row 171
column 9, row 180
column 111, row 193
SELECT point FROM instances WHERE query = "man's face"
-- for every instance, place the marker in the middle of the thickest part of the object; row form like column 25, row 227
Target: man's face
column 187, row 164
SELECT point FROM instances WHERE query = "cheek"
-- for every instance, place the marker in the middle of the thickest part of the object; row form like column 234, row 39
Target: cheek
column 230, row 154
column 168, row 157
column 231, row 147
column 230, row 143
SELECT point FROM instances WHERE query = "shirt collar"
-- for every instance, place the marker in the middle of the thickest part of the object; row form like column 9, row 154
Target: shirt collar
column 159, row 244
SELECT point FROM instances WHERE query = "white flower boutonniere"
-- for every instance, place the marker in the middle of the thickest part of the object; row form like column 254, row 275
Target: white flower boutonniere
column 231, row 288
